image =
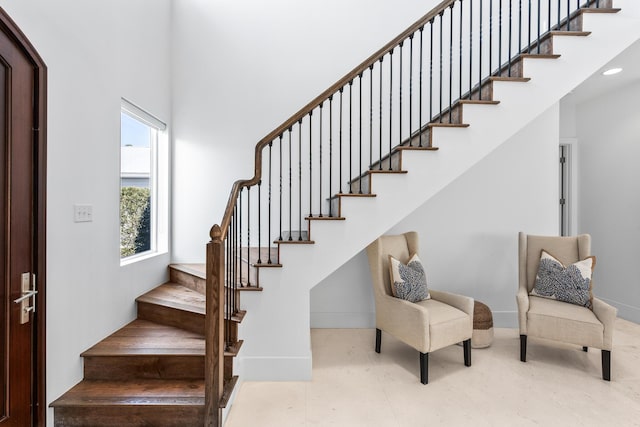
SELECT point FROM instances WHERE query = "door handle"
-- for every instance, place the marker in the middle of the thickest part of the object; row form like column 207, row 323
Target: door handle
column 27, row 293
column 25, row 296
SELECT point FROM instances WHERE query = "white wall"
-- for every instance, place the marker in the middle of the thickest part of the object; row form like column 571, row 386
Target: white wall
column 96, row 52
column 242, row 68
column 608, row 130
column 468, row 231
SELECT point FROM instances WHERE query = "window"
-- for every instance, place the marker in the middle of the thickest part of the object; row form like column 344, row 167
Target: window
column 143, row 183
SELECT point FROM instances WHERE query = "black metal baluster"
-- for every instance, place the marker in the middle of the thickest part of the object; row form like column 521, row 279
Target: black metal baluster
column 269, row 228
column 290, row 187
column 320, row 171
column 431, row 70
column 360, row 131
column 310, row 166
column 340, row 134
column 549, row 16
column 280, row 211
column 370, row 117
column 420, row 95
column 568, row 15
column 519, row 26
column 299, row 180
column 259, row 222
column 510, row 34
column 441, row 71
column 499, row 37
column 470, row 46
column 559, row 12
column 248, row 235
column 450, row 61
column 538, row 39
column 390, row 102
column 490, row 37
column 350, row 135
column 460, row 55
column 480, row 55
column 380, row 119
column 240, row 235
column 410, row 88
column 330, row 153
column 529, row 28
column 400, row 78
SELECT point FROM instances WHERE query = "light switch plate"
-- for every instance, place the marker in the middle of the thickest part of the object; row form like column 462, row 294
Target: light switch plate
column 82, row 213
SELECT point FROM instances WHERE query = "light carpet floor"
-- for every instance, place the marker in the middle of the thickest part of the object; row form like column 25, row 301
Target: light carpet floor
column 352, row 386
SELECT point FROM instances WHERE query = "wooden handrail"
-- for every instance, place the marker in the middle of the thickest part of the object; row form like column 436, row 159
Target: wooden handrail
column 237, row 186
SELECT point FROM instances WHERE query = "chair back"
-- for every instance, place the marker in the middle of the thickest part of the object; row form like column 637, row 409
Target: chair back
column 567, row 250
column 401, row 247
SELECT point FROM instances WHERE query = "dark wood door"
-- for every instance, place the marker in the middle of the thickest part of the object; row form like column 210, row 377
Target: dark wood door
column 21, row 222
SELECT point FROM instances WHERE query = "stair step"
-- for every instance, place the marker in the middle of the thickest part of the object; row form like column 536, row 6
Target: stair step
column 146, row 350
column 100, row 403
column 193, row 276
column 226, row 392
column 336, row 201
column 173, row 305
column 234, row 349
column 362, row 183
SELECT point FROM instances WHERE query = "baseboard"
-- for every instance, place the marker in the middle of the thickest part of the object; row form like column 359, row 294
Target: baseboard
column 275, row 368
column 625, row 311
column 343, row 320
column 505, row 319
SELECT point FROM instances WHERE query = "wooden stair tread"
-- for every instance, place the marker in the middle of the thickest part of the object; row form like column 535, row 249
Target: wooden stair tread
column 509, row 79
column 540, row 55
column 414, row 147
column 133, row 392
column 142, row 337
column 599, row 10
column 295, row 242
column 570, row 33
column 480, row 101
column 227, row 390
column 175, row 296
column 447, row 125
column 234, row 349
column 325, row 218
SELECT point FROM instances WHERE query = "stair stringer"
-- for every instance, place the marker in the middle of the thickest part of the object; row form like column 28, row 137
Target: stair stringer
column 277, row 327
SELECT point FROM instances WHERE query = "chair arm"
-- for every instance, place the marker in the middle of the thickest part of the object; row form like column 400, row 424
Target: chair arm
column 606, row 314
column 522, row 298
column 404, row 320
column 461, row 302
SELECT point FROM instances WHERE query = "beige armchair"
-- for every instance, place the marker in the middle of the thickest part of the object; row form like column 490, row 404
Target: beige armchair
column 556, row 320
column 428, row 325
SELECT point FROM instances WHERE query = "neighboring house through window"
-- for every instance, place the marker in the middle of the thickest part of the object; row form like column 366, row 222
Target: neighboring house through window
column 143, row 183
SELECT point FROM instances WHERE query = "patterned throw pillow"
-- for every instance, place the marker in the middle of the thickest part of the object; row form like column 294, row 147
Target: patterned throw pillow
column 408, row 282
column 569, row 284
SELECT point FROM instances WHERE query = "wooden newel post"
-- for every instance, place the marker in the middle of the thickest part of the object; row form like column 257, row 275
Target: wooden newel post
column 214, row 329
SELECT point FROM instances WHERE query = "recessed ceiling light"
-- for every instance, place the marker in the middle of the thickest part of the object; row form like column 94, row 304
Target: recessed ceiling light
column 612, row 71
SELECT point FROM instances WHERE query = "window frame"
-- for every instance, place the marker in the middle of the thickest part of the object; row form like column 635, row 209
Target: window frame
column 158, row 181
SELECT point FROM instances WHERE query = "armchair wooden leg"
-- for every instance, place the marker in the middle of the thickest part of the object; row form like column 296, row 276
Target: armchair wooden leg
column 585, row 349
column 467, row 352
column 606, row 365
column 424, row 368
column 378, row 339
column 523, row 348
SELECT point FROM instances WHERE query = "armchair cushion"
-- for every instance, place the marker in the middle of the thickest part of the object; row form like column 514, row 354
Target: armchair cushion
column 560, row 321
column 570, row 284
column 409, row 281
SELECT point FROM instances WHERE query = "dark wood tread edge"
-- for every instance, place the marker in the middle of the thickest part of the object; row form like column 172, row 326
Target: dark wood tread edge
column 186, row 269
column 599, row 10
column 226, row 392
column 294, row 242
column 325, row 218
column 570, row 33
column 233, row 350
column 248, row 288
column 540, row 56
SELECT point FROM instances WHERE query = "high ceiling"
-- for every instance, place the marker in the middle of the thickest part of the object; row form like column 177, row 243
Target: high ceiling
column 597, row 84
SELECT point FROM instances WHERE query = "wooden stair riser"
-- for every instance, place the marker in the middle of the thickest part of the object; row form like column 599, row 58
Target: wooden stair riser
column 188, row 280
column 129, row 415
column 193, row 322
column 143, row 367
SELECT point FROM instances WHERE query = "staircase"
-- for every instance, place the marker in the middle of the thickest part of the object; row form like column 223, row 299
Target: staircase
column 160, row 369
column 151, row 371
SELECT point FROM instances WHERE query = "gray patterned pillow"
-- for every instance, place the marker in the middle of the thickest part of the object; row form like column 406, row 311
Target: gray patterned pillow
column 408, row 282
column 568, row 284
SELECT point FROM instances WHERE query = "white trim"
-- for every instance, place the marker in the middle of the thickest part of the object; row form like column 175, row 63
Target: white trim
column 572, row 186
column 139, row 114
